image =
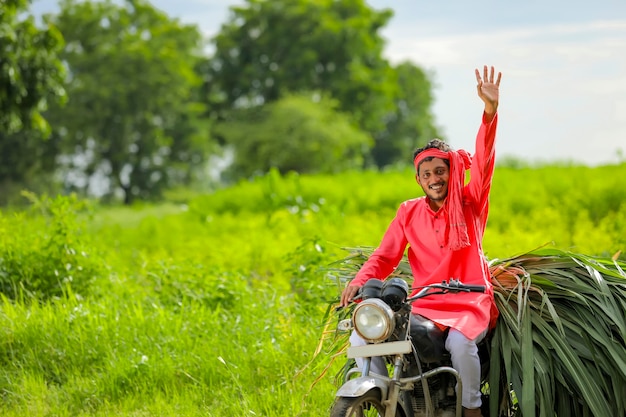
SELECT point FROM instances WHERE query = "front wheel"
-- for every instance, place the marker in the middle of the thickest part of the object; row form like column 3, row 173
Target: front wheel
column 368, row 405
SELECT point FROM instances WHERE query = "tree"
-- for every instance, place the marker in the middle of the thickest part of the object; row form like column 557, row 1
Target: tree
column 31, row 77
column 132, row 122
column 300, row 133
column 270, row 48
column 27, row 161
column 410, row 125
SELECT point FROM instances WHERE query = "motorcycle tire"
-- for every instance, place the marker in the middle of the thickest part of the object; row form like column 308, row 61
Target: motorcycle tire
column 368, row 405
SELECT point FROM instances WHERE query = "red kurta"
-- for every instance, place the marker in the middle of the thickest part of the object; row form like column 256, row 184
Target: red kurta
column 424, row 231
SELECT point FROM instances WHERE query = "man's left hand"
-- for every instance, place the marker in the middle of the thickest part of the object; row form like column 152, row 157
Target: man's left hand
column 488, row 89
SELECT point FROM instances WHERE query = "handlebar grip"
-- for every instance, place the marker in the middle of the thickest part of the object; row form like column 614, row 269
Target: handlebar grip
column 473, row 288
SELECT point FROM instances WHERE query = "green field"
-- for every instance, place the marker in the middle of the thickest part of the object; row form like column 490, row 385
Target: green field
column 214, row 305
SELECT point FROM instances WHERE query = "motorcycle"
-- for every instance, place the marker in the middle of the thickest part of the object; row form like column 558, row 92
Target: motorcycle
column 422, row 380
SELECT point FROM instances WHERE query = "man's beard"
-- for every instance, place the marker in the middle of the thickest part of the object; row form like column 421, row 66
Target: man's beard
column 437, row 195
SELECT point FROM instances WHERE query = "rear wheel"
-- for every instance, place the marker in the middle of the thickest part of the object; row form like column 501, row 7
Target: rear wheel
column 368, row 405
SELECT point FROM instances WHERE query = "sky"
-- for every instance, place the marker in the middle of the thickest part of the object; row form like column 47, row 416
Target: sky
column 563, row 64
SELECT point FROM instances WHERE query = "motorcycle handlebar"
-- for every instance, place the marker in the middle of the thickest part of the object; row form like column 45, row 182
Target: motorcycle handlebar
column 475, row 288
column 455, row 284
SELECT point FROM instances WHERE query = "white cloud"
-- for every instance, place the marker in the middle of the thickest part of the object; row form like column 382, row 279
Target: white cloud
column 562, row 86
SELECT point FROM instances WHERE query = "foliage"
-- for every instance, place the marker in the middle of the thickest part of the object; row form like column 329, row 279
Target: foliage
column 576, row 208
column 31, row 77
column 133, row 123
column 270, row 49
column 43, row 258
column 296, row 134
column 410, row 125
column 305, row 265
column 31, row 72
column 349, row 192
column 143, row 96
column 162, row 336
column 26, row 161
column 215, row 306
column 561, row 336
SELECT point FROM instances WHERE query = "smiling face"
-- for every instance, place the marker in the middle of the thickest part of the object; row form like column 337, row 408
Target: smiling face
column 433, row 176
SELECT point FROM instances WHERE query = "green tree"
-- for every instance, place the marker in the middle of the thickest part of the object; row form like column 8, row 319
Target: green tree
column 296, row 133
column 27, row 160
column 31, row 77
column 270, row 48
column 411, row 124
column 132, row 119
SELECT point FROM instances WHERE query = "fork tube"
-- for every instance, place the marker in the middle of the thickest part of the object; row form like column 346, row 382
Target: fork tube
column 459, row 395
column 391, row 403
column 366, row 366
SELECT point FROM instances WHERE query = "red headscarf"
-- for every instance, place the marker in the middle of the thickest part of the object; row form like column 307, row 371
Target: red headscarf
column 460, row 161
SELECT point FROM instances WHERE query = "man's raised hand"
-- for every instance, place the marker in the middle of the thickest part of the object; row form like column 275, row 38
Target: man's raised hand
column 488, row 90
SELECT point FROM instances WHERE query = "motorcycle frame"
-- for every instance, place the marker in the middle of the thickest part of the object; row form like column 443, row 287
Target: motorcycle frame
column 391, row 388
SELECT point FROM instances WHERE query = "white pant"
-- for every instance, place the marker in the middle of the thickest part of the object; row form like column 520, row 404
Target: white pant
column 464, row 356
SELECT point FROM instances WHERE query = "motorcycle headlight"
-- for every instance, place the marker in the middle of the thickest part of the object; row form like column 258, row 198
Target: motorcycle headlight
column 373, row 320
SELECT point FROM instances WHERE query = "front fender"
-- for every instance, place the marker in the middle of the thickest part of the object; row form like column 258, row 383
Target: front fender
column 359, row 386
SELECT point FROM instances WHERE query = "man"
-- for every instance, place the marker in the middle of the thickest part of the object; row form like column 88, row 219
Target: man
column 444, row 231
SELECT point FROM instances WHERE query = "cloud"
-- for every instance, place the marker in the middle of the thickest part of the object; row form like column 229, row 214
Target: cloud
column 593, row 39
column 562, row 90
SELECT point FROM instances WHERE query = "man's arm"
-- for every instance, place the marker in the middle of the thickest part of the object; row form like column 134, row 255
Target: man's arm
column 383, row 260
column 483, row 161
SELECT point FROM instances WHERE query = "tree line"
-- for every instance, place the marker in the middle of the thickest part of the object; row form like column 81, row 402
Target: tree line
column 120, row 100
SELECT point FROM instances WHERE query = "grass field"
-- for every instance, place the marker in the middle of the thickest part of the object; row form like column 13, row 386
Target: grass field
column 214, row 306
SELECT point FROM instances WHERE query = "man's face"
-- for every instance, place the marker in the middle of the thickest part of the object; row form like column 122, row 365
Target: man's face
column 433, row 178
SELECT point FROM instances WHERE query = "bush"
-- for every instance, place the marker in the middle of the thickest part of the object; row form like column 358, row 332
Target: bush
column 42, row 257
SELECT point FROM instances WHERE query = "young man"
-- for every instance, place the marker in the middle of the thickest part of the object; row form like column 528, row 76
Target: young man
column 444, row 231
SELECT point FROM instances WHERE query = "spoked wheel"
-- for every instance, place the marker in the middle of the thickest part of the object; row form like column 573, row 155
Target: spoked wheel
column 368, row 405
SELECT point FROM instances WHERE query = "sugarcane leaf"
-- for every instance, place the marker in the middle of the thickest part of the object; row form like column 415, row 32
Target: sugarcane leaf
column 619, row 269
column 553, row 314
column 576, row 373
column 528, row 367
column 495, row 372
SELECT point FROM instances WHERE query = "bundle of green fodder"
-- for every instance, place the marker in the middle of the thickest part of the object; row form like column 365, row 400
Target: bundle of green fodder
column 559, row 347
